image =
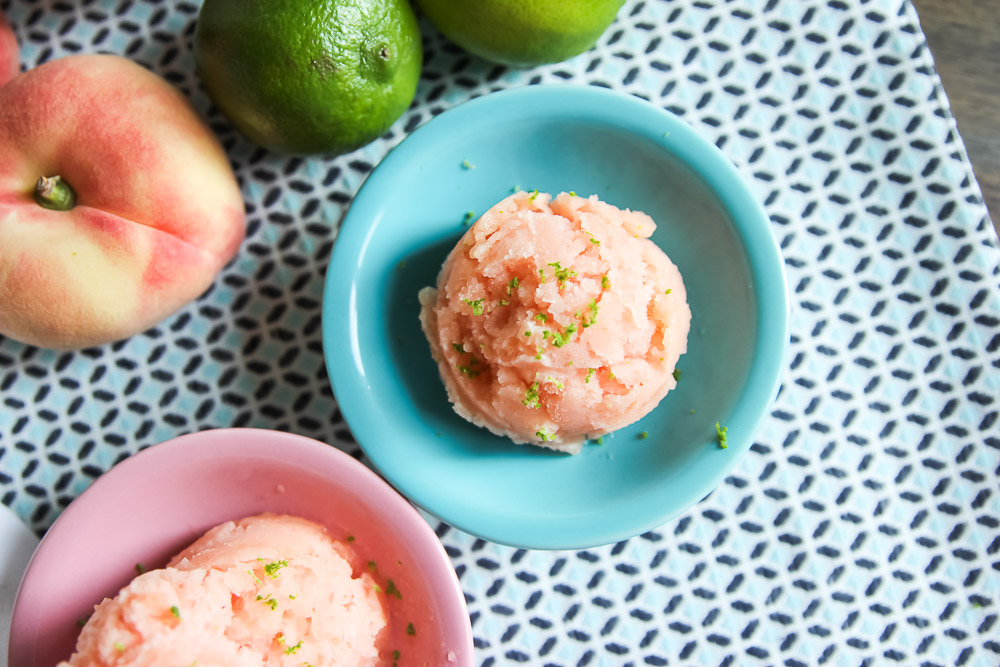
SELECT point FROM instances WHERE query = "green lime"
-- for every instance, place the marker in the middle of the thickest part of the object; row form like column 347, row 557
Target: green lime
column 309, row 76
column 522, row 33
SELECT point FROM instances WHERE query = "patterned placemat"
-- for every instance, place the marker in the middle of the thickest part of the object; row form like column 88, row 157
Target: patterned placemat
column 864, row 525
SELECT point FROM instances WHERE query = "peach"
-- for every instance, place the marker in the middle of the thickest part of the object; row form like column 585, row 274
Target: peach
column 143, row 215
column 8, row 52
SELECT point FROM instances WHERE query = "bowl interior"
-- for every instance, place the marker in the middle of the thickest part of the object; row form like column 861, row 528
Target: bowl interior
column 152, row 505
column 408, row 217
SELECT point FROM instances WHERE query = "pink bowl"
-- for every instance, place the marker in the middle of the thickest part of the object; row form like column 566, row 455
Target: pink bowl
column 153, row 504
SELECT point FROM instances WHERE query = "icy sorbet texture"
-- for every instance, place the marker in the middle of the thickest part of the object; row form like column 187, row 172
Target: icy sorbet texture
column 556, row 320
column 270, row 589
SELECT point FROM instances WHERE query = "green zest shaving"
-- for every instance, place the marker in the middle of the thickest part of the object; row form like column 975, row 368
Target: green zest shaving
column 410, row 630
column 350, row 538
column 467, row 165
column 590, row 373
column 504, row 302
column 477, row 305
column 469, row 215
column 175, row 611
column 372, row 565
column 256, row 579
column 527, row 334
column 560, row 339
column 720, row 433
column 531, row 396
column 538, row 352
column 376, row 588
column 468, row 371
column 139, row 568
column 459, row 347
column 390, row 589
column 541, row 276
column 644, row 435
column 562, row 275
column 572, row 193
column 119, row 647
column 514, row 283
column 668, row 291
column 269, row 601
column 592, row 307
column 293, row 649
column 542, row 317
column 271, row 569
column 533, row 195
column 593, row 240
column 677, row 375
column 556, row 383
column 605, row 282
column 544, row 435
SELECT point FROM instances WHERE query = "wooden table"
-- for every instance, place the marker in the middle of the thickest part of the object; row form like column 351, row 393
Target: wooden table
column 964, row 37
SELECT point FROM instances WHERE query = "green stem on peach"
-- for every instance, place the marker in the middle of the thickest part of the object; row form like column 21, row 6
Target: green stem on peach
column 52, row 192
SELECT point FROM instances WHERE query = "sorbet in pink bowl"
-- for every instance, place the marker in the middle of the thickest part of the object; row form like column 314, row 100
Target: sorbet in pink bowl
column 274, row 502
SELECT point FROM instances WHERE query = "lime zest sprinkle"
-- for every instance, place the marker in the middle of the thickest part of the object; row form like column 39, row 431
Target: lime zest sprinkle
column 593, row 240
column 527, row 333
column 477, row 306
column 175, row 611
column 533, row 195
column 292, row 597
column 350, row 538
column 469, row 215
column 572, row 193
column 720, row 434
column 410, row 630
column 390, row 589
column 562, row 275
column 467, row 165
column 558, row 385
column 592, row 307
column 256, row 579
column 541, row 317
column 293, row 649
column 504, row 302
column 668, row 291
column 514, row 283
column 644, row 435
column 600, row 440
column 538, row 352
column 376, row 588
column 372, row 566
column 677, row 374
column 605, row 282
column 395, row 655
column 560, row 339
column 541, row 276
column 119, row 647
column 468, row 370
column 140, row 568
column 459, row 347
column 543, row 435
column 271, row 569
column 590, row 373
column 269, row 601
column 531, row 396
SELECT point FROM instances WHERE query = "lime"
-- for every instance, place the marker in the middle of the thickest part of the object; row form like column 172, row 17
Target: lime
column 522, row 33
column 309, row 76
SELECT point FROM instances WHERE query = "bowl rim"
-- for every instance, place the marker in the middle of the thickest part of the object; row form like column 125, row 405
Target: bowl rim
column 331, row 462
column 752, row 230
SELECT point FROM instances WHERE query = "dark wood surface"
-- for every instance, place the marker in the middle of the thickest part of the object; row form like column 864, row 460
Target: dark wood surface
column 964, row 37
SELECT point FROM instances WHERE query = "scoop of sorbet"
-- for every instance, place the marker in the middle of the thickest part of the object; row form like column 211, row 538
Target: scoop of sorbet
column 557, row 320
column 270, row 589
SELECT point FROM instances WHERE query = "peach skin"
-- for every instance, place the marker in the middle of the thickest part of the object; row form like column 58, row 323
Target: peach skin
column 8, row 52
column 117, row 203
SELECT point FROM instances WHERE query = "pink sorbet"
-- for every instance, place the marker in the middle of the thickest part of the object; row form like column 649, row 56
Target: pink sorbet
column 267, row 590
column 556, row 320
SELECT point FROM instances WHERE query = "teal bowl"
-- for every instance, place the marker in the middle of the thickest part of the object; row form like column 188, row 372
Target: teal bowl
column 410, row 213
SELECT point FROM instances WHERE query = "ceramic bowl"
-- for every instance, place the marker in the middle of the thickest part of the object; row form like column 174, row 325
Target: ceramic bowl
column 155, row 503
column 410, row 213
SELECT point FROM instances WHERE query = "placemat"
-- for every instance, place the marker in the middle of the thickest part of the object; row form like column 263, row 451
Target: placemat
column 864, row 525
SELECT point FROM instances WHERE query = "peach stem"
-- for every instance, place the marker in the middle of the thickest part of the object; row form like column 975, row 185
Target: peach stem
column 54, row 193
